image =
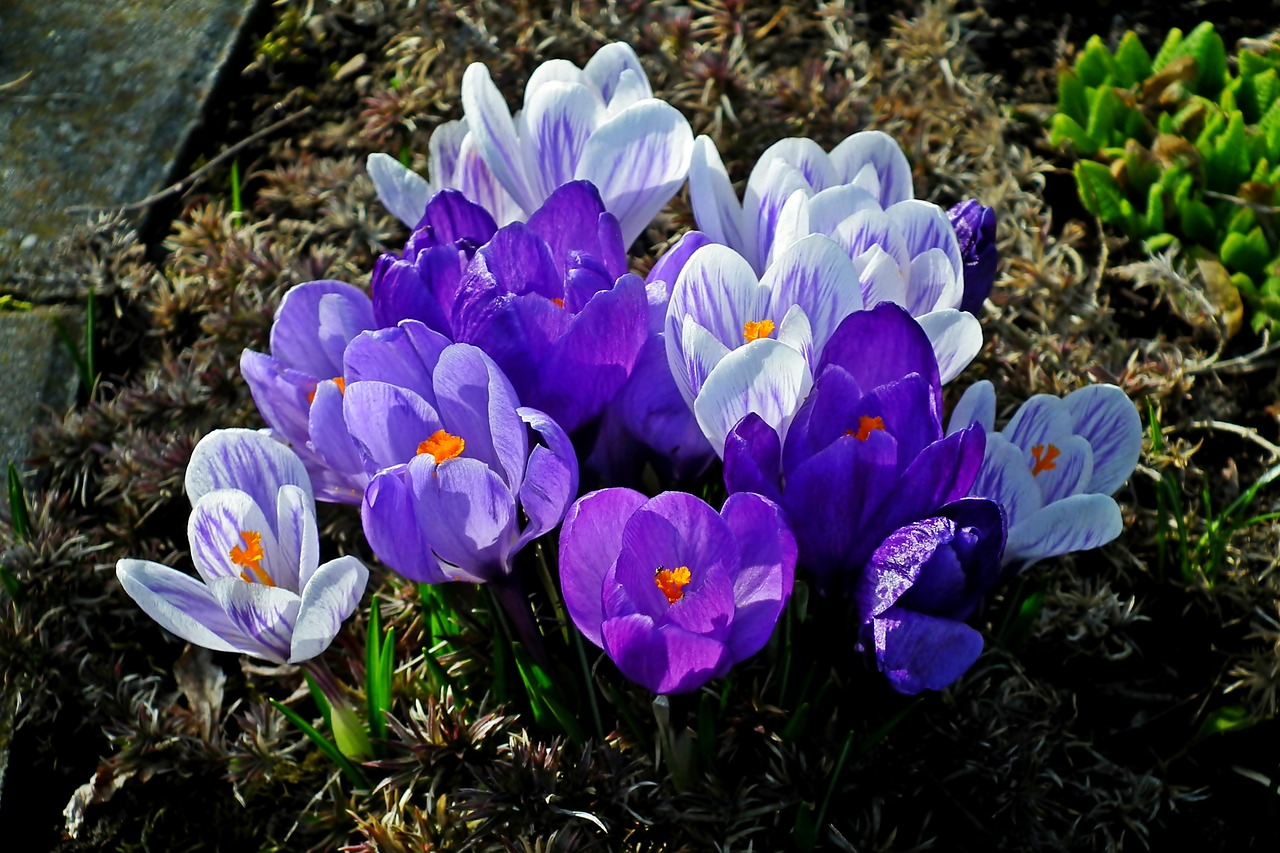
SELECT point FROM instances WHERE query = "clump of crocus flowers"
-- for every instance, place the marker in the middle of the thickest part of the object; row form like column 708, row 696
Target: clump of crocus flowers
column 507, row 354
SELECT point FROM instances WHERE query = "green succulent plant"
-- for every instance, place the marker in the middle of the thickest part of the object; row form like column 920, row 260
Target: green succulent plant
column 1182, row 151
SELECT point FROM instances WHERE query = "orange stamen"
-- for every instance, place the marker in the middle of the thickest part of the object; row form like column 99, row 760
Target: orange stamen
column 1044, row 458
column 441, row 445
column 337, row 380
column 251, row 557
column 672, row 582
column 755, row 331
column 866, row 426
column 559, row 302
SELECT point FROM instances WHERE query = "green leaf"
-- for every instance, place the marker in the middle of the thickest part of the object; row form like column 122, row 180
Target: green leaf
column 1247, row 253
column 1095, row 65
column 1072, row 100
column 1232, row 718
column 1153, row 221
column 323, row 744
column 1230, row 159
column 1244, row 285
column 1101, row 195
column 1132, row 62
column 1206, row 47
column 1242, row 221
column 1106, row 110
column 10, row 583
column 19, row 519
column 1196, row 221
column 1064, row 128
column 1169, row 50
column 1158, row 243
column 377, row 682
column 544, row 697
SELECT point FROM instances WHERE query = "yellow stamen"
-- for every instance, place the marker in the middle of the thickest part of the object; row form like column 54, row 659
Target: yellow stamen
column 1044, row 458
column 672, row 582
column 337, row 380
column 441, row 445
column 753, row 331
column 866, row 426
column 251, row 557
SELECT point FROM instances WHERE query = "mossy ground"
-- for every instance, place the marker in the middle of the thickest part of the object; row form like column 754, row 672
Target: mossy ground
column 1082, row 726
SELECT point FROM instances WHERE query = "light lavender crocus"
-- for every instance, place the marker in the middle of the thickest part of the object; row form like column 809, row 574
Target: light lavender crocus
column 1054, row 468
column 674, row 592
column 313, row 325
column 457, row 472
column 261, row 589
column 905, row 250
column 599, row 123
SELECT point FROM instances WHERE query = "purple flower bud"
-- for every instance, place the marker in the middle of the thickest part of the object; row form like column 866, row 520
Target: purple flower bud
column 975, row 226
column 674, row 592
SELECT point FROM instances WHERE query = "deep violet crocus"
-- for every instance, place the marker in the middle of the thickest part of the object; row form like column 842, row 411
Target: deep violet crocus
column 255, row 545
column 975, row 227
column 458, row 472
column 313, row 325
column 599, row 123
column 1054, row 468
column 674, row 592
column 921, row 585
column 865, row 453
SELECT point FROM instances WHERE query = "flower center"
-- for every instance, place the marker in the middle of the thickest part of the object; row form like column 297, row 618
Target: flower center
column 754, row 331
column 337, row 380
column 250, row 556
column 559, row 302
column 1044, row 455
column 866, row 425
column 672, row 582
column 442, row 445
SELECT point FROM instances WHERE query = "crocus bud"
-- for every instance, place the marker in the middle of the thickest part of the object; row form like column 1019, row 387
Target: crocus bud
column 975, row 227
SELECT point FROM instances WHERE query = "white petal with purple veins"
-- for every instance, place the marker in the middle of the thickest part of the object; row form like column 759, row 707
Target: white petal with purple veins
column 883, row 154
column 765, row 198
column 925, row 226
column 632, row 88
column 476, row 181
column 328, row 599
column 606, row 68
column 1043, row 419
column 976, row 406
column 793, row 222
column 932, row 285
column 796, row 332
column 700, row 353
column 816, row 274
column 638, row 160
column 766, row 377
column 243, row 459
column 880, row 278
column 832, row 206
column 1077, row 523
column 222, row 530
column 716, row 208
column 554, row 129
column 493, row 132
column 1064, row 467
column 870, row 228
column 182, row 605
column 1107, row 419
column 299, row 540
column 444, row 150
column 1005, row 478
column 719, row 290
column 956, row 337
column 803, row 154
column 556, row 71
column 402, row 191
column 266, row 614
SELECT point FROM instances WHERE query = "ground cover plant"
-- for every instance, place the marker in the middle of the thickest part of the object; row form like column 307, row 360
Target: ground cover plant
column 1122, row 696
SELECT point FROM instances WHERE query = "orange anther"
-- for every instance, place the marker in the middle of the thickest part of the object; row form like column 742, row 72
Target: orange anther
column 251, row 557
column 337, row 380
column 1044, row 456
column 866, row 425
column 442, row 445
column 672, row 582
column 753, row 331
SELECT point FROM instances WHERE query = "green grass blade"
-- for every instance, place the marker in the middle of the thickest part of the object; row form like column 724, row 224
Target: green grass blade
column 19, row 519
column 324, row 745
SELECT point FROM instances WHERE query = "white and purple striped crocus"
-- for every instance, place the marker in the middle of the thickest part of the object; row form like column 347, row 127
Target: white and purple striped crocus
column 1054, row 468
column 905, row 250
column 261, row 589
column 301, row 381
column 674, row 592
column 456, row 470
column 599, row 123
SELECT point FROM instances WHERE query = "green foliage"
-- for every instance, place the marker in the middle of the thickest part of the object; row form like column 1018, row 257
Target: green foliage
column 1180, row 151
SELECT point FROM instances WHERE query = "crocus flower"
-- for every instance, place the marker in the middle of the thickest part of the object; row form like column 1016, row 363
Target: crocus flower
column 1054, row 468
column 254, row 543
column 599, row 123
column 674, row 592
column 457, row 473
column 904, row 250
column 312, row 327
column 975, row 227
column 865, row 453
column 551, row 301
column 921, row 584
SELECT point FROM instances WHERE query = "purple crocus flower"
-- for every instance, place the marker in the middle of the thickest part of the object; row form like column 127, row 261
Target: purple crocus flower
column 865, row 453
column 674, row 592
column 456, row 470
column 312, row 327
column 1054, row 468
column 255, row 545
column 921, row 584
column 551, row 301
column 975, row 227
column 599, row 123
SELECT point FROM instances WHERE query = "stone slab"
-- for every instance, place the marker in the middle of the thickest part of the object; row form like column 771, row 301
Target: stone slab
column 39, row 374
column 115, row 89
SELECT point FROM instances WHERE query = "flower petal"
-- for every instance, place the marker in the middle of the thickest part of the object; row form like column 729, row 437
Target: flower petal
column 217, row 528
column 390, row 523
column 932, row 285
column 880, row 278
column 328, row 600
column 182, row 605
column 716, row 208
column 977, row 405
column 466, row 512
column 558, row 119
column 1006, row 479
column 266, row 614
column 665, row 659
column 1077, row 523
column 337, row 471
column 956, row 337
column 387, row 423
column 493, row 133
column 881, row 345
column 1068, row 472
column 279, row 393
column 815, row 274
column 550, row 479
column 925, row 226
column 402, row 191
column 832, row 206
column 1042, row 419
column 719, row 291
column 1107, row 419
column 918, row 652
column 476, row 401
column 243, row 459
column 444, row 150
column 753, row 458
column 763, row 582
column 314, row 323
column 608, row 66
column 590, row 541
column 881, row 152
column 405, row 355
column 298, row 540
column 638, row 159
column 573, row 220
column 765, row 376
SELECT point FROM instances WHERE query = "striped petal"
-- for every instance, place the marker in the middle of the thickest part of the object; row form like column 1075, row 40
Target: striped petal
column 265, row 614
column 880, row 152
column 402, row 191
column 1077, row 523
column 976, row 406
column 716, row 208
column 328, row 600
column 243, row 459
column 182, row 605
column 557, row 121
column 956, row 337
column 493, row 132
column 222, row 530
column 765, row 376
column 1107, row 419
